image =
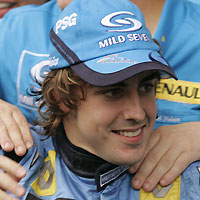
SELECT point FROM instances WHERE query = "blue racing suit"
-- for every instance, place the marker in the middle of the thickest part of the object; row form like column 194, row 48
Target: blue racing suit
column 24, row 44
column 54, row 173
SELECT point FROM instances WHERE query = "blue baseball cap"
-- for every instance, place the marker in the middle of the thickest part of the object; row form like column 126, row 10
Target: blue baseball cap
column 104, row 42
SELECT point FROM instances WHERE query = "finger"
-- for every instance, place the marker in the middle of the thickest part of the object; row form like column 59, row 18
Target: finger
column 11, row 129
column 178, row 167
column 7, row 180
column 15, row 136
column 163, row 166
column 152, row 157
column 9, row 184
column 134, row 168
column 4, row 195
column 144, row 171
column 12, row 167
column 5, row 142
column 24, row 129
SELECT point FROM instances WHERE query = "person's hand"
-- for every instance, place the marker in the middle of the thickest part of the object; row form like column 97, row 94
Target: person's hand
column 14, row 129
column 10, row 173
column 171, row 150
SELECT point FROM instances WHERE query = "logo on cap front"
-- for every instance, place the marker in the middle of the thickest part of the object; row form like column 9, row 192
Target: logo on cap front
column 66, row 22
column 123, row 27
column 115, row 58
column 118, row 25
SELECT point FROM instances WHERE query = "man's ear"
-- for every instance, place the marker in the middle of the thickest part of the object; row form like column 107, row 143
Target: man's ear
column 61, row 105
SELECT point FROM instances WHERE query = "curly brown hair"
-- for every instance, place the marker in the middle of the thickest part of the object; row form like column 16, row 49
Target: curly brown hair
column 60, row 86
column 64, row 83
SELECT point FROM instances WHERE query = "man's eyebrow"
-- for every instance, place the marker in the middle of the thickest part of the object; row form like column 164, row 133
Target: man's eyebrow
column 120, row 84
column 155, row 75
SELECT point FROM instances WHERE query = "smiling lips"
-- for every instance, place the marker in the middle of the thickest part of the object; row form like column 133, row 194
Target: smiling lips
column 129, row 133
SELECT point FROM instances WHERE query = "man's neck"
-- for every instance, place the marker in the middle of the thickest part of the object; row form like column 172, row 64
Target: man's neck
column 84, row 164
column 151, row 10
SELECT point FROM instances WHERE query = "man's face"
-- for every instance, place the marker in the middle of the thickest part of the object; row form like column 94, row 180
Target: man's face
column 115, row 122
column 6, row 5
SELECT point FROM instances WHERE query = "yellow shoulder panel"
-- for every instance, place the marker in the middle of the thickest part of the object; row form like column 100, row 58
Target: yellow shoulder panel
column 45, row 183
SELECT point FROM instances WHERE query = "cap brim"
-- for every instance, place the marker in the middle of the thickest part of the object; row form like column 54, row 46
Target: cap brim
column 117, row 67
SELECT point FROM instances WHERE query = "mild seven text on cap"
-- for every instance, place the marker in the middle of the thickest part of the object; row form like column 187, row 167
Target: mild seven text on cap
column 121, row 39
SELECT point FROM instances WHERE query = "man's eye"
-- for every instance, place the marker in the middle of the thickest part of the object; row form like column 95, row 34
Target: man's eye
column 113, row 93
column 148, row 87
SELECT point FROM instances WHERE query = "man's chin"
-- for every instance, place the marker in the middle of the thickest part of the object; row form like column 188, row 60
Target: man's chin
column 129, row 160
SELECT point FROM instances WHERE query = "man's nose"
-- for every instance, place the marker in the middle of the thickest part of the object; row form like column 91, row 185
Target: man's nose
column 134, row 108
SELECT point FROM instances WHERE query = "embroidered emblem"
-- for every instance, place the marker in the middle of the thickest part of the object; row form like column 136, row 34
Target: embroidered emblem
column 45, row 183
column 112, row 174
column 161, row 191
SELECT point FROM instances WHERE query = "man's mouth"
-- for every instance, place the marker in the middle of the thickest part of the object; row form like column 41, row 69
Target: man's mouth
column 128, row 133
